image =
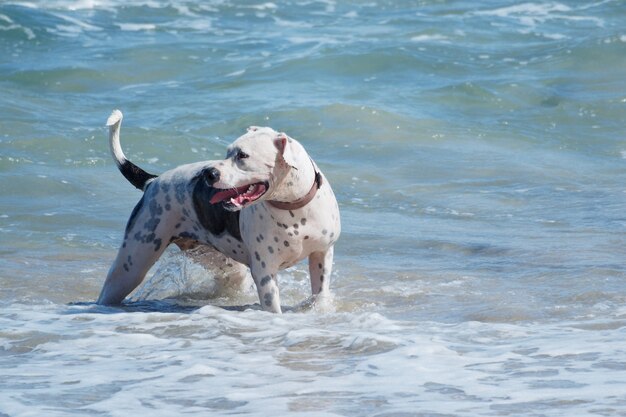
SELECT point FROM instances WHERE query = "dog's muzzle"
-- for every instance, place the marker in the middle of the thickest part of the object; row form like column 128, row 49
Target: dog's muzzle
column 234, row 198
column 239, row 197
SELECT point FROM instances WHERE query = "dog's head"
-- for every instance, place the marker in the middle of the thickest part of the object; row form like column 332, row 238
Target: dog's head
column 255, row 164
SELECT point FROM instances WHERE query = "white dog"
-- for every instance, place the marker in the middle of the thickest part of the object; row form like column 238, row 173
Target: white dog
column 267, row 206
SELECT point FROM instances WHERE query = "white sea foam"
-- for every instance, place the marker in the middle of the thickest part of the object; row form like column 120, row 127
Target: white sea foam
column 533, row 14
column 134, row 27
column 291, row 23
column 256, row 363
column 236, row 73
column 198, row 24
column 430, row 38
column 78, row 5
column 264, row 6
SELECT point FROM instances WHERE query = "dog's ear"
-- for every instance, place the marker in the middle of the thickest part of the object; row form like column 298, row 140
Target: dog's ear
column 284, row 145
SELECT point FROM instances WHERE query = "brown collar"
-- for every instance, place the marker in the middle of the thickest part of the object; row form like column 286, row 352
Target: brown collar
column 301, row 202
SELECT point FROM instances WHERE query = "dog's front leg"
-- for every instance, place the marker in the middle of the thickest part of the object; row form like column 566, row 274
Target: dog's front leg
column 320, row 268
column 266, row 286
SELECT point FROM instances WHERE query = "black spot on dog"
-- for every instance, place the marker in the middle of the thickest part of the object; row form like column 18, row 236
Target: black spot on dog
column 269, row 298
column 257, row 256
column 155, row 208
column 276, row 239
column 181, row 192
column 152, row 224
column 303, row 221
column 291, row 213
column 320, row 266
column 286, row 243
column 133, row 216
column 126, row 268
column 270, row 249
column 157, row 244
column 213, row 217
column 265, row 280
column 263, row 264
column 324, row 232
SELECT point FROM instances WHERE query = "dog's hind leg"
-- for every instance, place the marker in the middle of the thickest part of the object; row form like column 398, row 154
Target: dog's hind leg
column 127, row 272
column 145, row 239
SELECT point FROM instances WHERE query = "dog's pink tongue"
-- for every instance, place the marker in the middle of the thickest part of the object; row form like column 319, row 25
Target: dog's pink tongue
column 239, row 196
column 223, row 195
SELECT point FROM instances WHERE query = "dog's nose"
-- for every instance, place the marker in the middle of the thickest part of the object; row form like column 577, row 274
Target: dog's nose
column 212, row 175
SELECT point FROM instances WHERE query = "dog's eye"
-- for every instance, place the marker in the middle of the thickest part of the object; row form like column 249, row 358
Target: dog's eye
column 242, row 155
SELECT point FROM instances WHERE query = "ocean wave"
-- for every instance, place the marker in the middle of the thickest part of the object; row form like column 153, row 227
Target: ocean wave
column 7, row 25
column 534, row 14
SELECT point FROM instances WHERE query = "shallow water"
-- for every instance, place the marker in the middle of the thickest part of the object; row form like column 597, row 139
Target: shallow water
column 477, row 151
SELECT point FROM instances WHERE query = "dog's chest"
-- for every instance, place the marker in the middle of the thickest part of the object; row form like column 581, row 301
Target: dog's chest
column 288, row 230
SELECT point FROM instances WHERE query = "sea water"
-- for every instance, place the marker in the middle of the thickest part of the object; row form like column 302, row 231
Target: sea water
column 478, row 153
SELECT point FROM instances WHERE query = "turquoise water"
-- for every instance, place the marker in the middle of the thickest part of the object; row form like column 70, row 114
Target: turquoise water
column 478, row 153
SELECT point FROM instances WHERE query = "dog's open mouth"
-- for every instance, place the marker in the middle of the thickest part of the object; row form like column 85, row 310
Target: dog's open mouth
column 236, row 198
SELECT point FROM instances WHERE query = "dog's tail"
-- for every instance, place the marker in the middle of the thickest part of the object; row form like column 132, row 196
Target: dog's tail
column 135, row 175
